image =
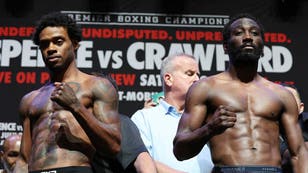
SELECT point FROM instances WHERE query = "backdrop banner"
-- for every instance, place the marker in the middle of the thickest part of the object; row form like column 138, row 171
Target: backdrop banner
column 129, row 42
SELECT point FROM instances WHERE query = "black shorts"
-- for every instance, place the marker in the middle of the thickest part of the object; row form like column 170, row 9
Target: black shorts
column 246, row 169
column 71, row 169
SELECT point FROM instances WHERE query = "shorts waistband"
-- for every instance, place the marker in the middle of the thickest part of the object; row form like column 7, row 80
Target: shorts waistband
column 246, row 169
column 70, row 169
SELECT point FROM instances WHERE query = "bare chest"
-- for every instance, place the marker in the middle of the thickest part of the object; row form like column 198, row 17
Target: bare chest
column 248, row 100
column 42, row 104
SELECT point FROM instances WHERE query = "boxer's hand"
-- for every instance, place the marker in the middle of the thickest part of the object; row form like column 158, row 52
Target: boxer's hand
column 223, row 118
column 64, row 95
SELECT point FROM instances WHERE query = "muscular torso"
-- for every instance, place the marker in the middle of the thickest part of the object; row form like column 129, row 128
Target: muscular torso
column 254, row 138
column 49, row 148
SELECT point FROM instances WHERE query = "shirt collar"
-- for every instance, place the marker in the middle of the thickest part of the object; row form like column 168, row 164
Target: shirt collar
column 169, row 109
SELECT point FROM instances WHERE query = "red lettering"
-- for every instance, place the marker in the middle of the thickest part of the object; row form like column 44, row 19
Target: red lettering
column 276, row 38
column 16, row 31
column 118, row 79
column 137, row 34
column 163, row 35
column 129, row 79
column 209, row 36
column 198, row 35
column 147, row 34
column 25, row 77
column 13, row 31
column 86, row 32
column 5, row 77
column 124, row 79
column 107, row 33
column 129, row 33
column 96, row 33
column 44, row 77
column 281, row 38
column 4, row 31
column 121, row 33
column 179, row 35
column 218, row 36
column 29, row 31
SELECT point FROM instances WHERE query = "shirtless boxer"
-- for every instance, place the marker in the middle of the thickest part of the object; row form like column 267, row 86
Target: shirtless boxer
column 243, row 133
column 74, row 115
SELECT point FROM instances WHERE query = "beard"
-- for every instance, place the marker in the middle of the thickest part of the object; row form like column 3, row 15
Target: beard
column 242, row 55
column 247, row 57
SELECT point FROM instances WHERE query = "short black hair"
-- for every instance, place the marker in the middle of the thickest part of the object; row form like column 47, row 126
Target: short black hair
column 226, row 30
column 57, row 19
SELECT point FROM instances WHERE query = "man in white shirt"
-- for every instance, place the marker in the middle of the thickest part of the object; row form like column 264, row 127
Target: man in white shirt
column 158, row 125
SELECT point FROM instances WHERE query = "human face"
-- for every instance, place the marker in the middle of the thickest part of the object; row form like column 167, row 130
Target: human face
column 57, row 49
column 185, row 73
column 245, row 43
column 11, row 152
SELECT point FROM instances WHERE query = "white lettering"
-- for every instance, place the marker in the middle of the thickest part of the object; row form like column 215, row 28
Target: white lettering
column 121, row 93
column 31, row 57
column 221, row 58
column 154, row 52
column 104, row 59
column 145, row 56
column 84, row 55
column 150, row 80
column 117, row 59
column 277, row 60
column 265, row 61
column 282, row 59
column 10, row 49
column 175, row 48
column 138, row 95
column 204, row 59
column 132, row 58
column 8, row 126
